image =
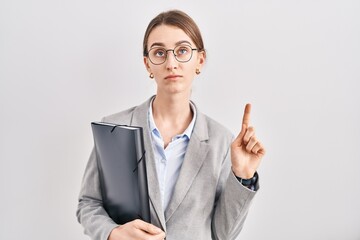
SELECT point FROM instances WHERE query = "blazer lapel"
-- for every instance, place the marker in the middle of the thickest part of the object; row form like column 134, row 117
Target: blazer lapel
column 194, row 158
column 140, row 118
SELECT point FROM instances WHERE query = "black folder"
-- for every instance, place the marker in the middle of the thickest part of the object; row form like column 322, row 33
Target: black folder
column 121, row 161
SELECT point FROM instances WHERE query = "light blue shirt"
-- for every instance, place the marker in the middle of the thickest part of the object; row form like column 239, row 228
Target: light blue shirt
column 169, row 160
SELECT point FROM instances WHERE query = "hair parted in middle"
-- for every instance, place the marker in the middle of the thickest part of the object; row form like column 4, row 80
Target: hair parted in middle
column 178, row 19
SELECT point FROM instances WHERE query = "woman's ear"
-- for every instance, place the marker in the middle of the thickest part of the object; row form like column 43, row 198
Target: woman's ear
column 146, row 63
column 201, row 59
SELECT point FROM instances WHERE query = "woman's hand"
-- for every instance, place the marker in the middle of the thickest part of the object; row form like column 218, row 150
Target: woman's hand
column 137, row 230
column 246, row 150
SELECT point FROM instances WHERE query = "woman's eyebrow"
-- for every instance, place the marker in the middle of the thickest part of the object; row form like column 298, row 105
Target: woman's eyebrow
column 160, row 44
column 157, row 44
column 182, row 41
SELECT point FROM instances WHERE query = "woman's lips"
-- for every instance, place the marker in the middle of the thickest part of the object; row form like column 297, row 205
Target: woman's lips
column 172, row 76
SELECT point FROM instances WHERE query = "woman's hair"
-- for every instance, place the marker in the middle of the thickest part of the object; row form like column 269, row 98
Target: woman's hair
column 178, row 19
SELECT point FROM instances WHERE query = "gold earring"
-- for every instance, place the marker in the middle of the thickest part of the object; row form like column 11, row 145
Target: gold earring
column 197, row 71
column 151, row 76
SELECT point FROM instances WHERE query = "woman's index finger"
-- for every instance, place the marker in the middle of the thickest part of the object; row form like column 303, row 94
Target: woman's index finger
column 246, row 117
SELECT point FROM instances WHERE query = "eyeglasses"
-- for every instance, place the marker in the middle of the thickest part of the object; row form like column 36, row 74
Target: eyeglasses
column 182, row 53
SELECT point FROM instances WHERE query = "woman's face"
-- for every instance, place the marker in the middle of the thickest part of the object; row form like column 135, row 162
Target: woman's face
column 172, row 76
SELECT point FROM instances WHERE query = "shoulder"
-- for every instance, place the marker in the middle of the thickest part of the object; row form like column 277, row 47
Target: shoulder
column 216, row 129
column 127, row 116
column 206, row 128
column 123, row 117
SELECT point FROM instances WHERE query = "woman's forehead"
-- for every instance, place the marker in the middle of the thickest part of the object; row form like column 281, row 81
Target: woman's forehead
column 168, row 36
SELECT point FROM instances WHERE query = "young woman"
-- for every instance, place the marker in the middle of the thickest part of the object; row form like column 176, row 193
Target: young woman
column 201, row 180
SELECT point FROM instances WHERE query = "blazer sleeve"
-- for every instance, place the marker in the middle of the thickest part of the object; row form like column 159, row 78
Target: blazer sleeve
column 90, row 212
column 232, row 204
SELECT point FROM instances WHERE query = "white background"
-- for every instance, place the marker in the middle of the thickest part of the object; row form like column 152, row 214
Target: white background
column 66, row 63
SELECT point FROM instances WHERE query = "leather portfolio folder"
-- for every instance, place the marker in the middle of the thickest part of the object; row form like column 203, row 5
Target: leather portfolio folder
column 121, row 162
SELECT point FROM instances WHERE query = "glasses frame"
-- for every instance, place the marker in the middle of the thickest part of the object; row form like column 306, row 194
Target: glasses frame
column 173, row 51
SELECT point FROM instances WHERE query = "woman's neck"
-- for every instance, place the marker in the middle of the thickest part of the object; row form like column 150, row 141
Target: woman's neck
column 172, row 108
column 172, row 115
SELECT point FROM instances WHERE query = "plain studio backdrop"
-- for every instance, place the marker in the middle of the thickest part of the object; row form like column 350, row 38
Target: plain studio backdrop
column 66, row 63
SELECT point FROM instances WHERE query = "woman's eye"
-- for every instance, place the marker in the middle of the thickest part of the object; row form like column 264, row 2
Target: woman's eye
column 182, row 51
column 160, row 53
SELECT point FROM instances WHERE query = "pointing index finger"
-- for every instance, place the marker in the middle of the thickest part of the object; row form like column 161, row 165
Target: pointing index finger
column 246, row 117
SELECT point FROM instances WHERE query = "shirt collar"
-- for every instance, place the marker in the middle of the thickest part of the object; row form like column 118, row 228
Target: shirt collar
column 188, row 130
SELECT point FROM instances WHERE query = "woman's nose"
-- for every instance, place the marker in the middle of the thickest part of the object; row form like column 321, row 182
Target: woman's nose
column 171, row 61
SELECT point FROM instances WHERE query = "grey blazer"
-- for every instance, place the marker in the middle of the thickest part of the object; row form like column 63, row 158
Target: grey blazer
column 208, row 201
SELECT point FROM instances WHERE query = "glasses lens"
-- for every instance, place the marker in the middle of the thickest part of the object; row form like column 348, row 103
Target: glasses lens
column 183, row 53
column 157, row 55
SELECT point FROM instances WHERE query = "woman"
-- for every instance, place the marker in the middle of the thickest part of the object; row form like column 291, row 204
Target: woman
column 201, row 181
